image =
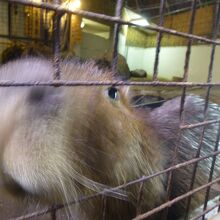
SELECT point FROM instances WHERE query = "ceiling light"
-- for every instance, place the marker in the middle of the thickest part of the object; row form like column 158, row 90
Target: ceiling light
column 37, row 1
column 73, row 4
column 136, row 18
column 82, row 25
column 141, row 22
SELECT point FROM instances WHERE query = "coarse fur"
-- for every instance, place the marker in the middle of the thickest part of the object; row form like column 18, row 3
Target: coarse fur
column 59, row 144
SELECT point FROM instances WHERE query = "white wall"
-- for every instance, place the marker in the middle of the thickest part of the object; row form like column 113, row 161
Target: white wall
column 172, row 60
column 122, row 48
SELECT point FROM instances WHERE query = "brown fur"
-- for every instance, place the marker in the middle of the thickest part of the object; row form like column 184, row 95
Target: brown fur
column 62, row 143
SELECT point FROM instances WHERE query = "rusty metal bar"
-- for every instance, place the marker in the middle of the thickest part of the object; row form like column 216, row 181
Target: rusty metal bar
column 175, row 200
column 53, row 214
column 209, row 78
column 6, row 83
column 196, row 164
column 174, row 158
column 117, row 26
column 9, row 20
column 37, row 213
column 137, row 5
column 56, row 42
column 139, row 199
column 219, row 206
column 159, row 38
column 104, row 205
column 208, row 122
column 58, row 11
column 188, row 51
column 183, row 97
column 211, row 172
column 215, row 34
column 88, row 14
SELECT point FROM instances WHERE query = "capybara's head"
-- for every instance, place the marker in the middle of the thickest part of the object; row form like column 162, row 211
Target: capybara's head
column 59, row 143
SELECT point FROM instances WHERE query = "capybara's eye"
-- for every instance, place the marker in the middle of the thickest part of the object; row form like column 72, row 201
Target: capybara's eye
column 113, row 93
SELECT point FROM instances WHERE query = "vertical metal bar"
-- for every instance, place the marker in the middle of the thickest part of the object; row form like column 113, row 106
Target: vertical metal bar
column 211, row 172
column 53, row 214
column 185, row 78
column 159, row 38
column 194, row 172
column 209, row 78
column 9, row 19
column 219, row 205
column 186, row 69
column 140, row 194
column 215, row 33
column 188, row 51
column 137, row 4
column 104, row 204
column 117, row 26
column 56, row 42
column 42, row 11
column 175, row 154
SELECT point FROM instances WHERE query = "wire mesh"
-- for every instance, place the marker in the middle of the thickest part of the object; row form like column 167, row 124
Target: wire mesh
column 18, row 7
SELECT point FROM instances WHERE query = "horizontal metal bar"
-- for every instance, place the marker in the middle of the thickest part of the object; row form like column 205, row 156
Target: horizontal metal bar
column 175, row 200
column 199, row 124
column 64, row 9
column 6, row 83
column 35, row 214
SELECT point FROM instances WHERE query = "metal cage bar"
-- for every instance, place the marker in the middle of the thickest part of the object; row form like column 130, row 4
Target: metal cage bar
column 215, row 31
column 88, row 14
column 117, row 26
column 56, row 42
column 159, row 38
column 175, row 200
column 9, row 83
column 105, row 192
column 211, row 173
column 59, row 10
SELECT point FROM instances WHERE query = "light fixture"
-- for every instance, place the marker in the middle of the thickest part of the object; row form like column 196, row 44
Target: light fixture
column 136, row 18
column 72, row 4
column 82, row 25
column 142, row 22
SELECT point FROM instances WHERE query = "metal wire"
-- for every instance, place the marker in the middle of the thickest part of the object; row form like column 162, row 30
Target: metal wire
column 59, row 10
column 125, row 185
column 117, row 26
column 56, row 42
column 104, row 203
column 177, row 199
column 7, row 83
column 159, row 38
column 139, row 198
column 215, row 31
column 206, row 211
column 63, row 9
column 211, row 172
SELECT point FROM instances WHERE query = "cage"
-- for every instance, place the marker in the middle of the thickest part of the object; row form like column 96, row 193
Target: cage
column 175, row 44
